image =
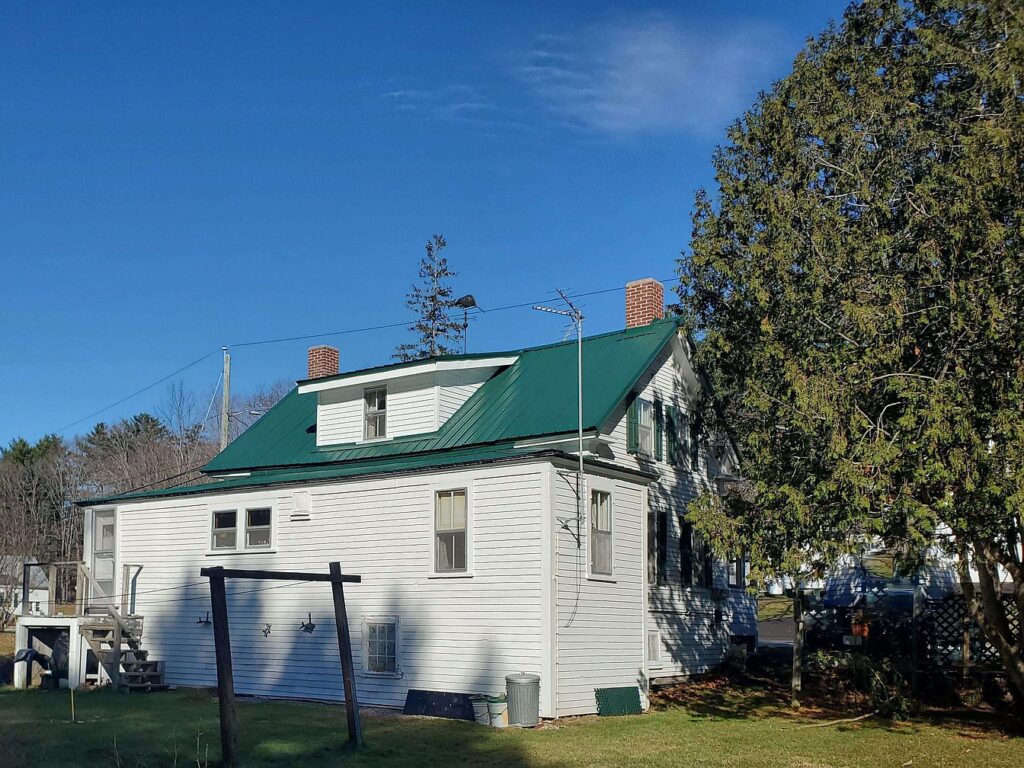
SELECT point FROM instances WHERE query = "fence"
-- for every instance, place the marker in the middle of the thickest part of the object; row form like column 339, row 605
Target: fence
column 937, row 637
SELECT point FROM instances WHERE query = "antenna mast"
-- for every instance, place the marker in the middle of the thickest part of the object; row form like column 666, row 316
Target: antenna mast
column 577, row 319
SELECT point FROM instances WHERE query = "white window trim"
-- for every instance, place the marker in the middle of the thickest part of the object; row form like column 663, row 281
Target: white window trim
column 606, row 486
column 240, row 506
column 454, row 483
column 387, row 411
column 381, row 619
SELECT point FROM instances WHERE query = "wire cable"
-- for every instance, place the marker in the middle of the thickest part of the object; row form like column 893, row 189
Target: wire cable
column 138, row 392
column 305, row 337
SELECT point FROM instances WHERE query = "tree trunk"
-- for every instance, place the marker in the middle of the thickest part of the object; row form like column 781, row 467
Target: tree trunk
column 985, row 604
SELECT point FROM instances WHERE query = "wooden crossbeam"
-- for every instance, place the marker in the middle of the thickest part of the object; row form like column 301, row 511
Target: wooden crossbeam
column 235, row 573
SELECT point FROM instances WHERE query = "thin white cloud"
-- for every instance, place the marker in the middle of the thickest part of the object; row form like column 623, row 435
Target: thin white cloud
column 651, row 75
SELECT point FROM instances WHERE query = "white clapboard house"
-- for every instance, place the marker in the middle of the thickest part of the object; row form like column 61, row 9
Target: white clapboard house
column 450, row 486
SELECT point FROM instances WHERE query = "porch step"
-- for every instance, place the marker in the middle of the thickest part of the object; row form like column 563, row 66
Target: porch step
column 136, row 672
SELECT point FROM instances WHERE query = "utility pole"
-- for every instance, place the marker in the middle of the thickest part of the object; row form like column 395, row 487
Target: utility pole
column 225, row 401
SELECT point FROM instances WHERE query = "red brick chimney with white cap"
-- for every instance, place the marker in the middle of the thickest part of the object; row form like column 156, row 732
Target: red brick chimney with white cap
column 645, row 302
column 323, row 361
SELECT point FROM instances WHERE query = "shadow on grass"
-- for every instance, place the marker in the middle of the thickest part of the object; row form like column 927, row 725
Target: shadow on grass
column 182, row 728
column 764, row 691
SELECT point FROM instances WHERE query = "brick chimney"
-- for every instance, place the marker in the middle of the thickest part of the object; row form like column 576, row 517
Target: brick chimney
column 645, row 302
column 323, row 361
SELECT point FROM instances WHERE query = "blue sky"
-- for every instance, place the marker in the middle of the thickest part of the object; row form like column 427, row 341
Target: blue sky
column 180, row 176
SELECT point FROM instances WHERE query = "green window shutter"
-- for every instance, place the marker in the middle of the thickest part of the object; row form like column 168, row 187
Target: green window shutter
column 659, row 430
column 672, row 435
column 632, row 428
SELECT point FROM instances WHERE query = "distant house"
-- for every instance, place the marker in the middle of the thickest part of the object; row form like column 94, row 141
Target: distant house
column 450, row 485
column 12, row 585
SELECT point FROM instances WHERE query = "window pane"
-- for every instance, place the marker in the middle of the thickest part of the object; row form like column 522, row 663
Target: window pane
column 459, row 510
column 224, row 540
column 259, row 537
column 258, row 517
column 601, row 561
column 444, row 511
column 224, row 519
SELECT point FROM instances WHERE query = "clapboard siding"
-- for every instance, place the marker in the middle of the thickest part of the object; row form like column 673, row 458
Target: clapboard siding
column 691, row 640
column 411, row 409
column 457, row 634
column 599, row 621
column 417, row 403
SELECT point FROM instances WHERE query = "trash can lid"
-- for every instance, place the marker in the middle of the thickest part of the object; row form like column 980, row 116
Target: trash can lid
column 522, row 678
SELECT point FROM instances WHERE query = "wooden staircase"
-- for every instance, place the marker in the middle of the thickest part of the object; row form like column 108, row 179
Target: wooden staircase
column 117, row 645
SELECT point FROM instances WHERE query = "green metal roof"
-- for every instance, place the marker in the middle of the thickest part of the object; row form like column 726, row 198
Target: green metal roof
column 533, row 397
column 269, row 477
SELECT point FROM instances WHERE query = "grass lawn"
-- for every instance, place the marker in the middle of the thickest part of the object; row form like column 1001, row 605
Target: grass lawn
column 774, row 608
column 713, row 729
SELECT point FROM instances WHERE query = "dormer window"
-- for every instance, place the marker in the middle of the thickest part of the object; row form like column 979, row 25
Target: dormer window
column 375, row 413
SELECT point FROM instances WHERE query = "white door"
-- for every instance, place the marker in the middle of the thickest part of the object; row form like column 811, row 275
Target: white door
column 104, row 542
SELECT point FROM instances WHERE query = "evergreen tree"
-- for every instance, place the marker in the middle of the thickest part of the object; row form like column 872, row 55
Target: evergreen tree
column 436, row 331
column 856, row 287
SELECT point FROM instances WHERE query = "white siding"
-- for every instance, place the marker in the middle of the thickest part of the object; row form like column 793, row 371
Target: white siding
column 692, row 641
column 411, row 410
column 599, row 627
column 455, row 387
column 456, row 634
column 417, row 403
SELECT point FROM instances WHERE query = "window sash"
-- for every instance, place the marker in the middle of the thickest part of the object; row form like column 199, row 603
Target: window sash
column 258, row 536
column 225, row 529
column 645, row 427
column 601, row 533
column 374, row 413
column 382, row 647
column 451, row 524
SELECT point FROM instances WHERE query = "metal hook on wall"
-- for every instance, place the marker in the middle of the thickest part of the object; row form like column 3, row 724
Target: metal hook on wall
column 205, row 622
column 307, row 626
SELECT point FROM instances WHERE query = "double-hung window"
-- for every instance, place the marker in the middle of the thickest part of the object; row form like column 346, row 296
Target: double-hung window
column 375, row 413
column 450, row 531
column 257, row 528
column 645, row 427
column 601, row 533
column 380, row 646
column 255, row 533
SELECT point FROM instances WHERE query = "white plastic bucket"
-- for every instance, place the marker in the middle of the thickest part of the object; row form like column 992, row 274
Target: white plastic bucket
column 496, row 710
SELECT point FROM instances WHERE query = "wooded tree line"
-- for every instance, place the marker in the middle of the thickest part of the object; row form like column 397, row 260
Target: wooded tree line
column 39, row 482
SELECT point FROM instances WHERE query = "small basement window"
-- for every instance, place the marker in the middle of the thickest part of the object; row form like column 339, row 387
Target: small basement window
column 225, row 529
column 380, row 645
column 375, row 413
column 601, row 533
column 257, row 528
column 450, row 526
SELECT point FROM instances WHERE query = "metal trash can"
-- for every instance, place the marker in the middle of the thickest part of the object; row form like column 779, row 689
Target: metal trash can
column 523, row 699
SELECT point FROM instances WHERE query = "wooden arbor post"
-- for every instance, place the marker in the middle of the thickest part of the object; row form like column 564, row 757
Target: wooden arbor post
column 222, row 641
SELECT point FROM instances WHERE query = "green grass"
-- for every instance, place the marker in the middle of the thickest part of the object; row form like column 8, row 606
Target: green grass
column 719, row 729
column 772, row 608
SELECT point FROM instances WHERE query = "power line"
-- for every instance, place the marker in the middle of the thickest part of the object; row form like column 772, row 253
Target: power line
column 137, row 392
column 305, row 337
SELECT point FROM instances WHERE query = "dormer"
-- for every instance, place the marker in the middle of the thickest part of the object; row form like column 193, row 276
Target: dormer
column 392, row 401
